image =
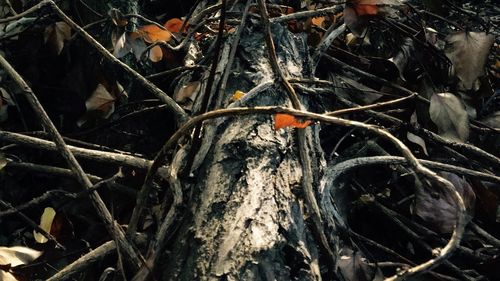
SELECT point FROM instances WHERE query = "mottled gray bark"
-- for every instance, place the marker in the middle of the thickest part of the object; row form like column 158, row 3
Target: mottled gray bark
column 246, row 219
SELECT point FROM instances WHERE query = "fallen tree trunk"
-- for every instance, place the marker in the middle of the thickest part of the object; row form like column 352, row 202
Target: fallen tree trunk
column 246, row 218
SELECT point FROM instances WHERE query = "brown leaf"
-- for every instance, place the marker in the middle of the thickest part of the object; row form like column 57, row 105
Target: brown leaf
column 437, row 206
column 468, row 52
column 56, row 35
column 155, row 54
column 354, row 267
column 101, row 100
column 448, row 113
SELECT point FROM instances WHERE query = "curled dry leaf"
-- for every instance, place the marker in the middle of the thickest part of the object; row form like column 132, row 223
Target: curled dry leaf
column 55, row 35
column 46, row 220
column 15, row 256
column 448, row 113
column 152, row 33
column 468, row 52
column 286, row 120
column 174, row 25
column 155, row 54
column 438, row 208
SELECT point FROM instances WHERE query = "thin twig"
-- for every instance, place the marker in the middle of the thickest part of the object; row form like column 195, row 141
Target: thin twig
column 31, row 223
column 70, row 159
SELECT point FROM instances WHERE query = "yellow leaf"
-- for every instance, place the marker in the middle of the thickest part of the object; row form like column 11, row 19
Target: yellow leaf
column 237, row 95
column 45, row 224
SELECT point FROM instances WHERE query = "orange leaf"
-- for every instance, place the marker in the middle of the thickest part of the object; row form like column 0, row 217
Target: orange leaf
column 237, row 95
column 286, row 120
column 366, row 9
column 152, row 33
column 174, row 25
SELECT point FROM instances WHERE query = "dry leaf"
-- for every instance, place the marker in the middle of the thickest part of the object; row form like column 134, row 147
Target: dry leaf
column 237, row 95
column 56, row 35
column 449, row 114
column 101, row 100
column 174, row 25
column 287, row 120
column 187, row 94
column 155, row 54
column 353, row 267
column 152, row 33
column 438, row 208
column 414, row 138
column 468, row 52
column 45, row 224
column 318, row 21
column 15, row 256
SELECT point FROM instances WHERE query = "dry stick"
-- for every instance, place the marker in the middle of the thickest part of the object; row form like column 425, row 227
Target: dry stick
column 462, row 146
column 355, row 163
column 418, row 239
column 87, row 260
column 25, row 13
column 370, row 106
column 483, row 233
column 156, row 247
column 232, row 53
column 147, row 185
column 405, row 151
column 84, row 262
column 96, row 155
column 397, row 255
column 37, row 201
column 43, row 169
column 307, row 14
column 68, row 156
column 33, row 224
column 173, row 70
column 305, row 160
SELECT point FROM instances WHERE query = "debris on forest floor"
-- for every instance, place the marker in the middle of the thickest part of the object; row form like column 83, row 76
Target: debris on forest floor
column 135, row 103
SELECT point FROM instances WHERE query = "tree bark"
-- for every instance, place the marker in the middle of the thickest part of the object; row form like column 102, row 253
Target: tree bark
column 245, row 218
